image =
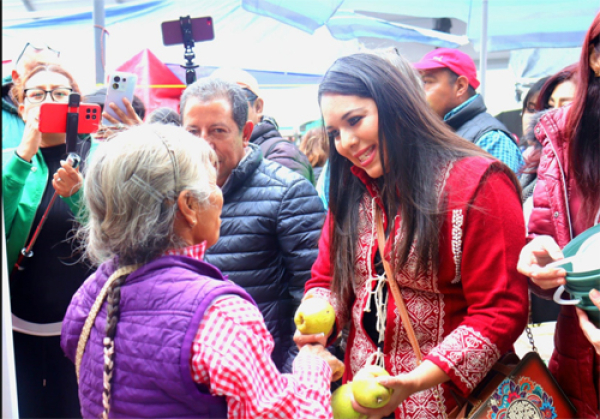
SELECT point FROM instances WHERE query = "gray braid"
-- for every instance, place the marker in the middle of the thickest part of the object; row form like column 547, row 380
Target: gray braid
column 112, row 317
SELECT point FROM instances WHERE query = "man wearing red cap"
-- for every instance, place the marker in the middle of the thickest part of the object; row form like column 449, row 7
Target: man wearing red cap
column 450, row 79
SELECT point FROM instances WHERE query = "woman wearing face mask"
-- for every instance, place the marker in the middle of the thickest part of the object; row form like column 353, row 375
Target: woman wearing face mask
column 555, row 91
column 530, row 155
column 566, row 202
column 42, row 286
column 451, row 215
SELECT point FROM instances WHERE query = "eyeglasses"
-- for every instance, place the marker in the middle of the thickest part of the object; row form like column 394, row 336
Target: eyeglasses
column 37, row 49
column 58, row 94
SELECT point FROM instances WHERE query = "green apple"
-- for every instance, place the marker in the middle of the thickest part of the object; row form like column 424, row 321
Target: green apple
column 370, row 371
column 341, row 404
column 367, row 391
column 314, row 316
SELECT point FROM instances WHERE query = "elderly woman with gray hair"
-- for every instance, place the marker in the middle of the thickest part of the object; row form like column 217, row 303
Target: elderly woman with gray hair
column 156, row 331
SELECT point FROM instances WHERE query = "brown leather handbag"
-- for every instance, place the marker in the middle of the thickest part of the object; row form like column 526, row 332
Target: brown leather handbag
column 514, row 388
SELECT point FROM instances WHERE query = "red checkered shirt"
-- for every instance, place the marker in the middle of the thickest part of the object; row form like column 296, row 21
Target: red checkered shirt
column 231, row 355
column 196, row 251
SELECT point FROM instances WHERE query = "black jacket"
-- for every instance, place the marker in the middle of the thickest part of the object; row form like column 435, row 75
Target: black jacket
column 472, row 122
column 271, row 223
column 276, row 148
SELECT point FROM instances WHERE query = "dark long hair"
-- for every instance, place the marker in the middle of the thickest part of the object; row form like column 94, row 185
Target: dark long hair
column 417, row 144
column 534, row 89
column 566, row 74
column 583, row 126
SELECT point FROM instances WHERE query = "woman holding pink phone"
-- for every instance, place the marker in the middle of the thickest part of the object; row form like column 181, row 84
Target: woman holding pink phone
column 42, row 285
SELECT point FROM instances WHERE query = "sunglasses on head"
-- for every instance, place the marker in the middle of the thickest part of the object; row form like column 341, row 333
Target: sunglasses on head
column 29, row 45
column 250, row 96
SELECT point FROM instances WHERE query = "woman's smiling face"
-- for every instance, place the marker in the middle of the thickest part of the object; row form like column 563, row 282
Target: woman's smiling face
column 353, row 122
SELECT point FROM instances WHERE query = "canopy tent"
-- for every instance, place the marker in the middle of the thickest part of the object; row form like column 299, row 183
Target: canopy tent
column 241, row 38
column 157, row 85
column 279, row 52
column 511, row 24
column 278, row 55
column 490, row 25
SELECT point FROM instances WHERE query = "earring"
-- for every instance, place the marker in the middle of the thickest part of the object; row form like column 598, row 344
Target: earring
column 193, row 223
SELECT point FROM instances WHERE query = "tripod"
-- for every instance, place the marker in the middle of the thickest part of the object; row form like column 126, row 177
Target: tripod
column 188, row 42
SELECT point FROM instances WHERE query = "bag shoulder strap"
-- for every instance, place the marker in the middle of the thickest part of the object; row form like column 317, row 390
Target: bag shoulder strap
column 91, row 318
column 395, row 289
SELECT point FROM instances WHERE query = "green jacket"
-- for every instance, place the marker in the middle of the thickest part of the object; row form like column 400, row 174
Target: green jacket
column 23, row 185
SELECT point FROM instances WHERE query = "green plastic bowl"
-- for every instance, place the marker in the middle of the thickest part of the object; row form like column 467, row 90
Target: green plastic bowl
column 584, row 296
column 572, row 248
column 583, row 283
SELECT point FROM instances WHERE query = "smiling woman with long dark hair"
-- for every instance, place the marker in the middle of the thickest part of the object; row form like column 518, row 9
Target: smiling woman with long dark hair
column 451, row 214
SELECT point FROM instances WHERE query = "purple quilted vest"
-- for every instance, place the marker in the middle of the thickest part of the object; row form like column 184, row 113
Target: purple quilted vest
column 162, row 304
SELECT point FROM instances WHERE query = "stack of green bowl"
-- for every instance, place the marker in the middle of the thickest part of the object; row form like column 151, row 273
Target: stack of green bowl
column 580, row 283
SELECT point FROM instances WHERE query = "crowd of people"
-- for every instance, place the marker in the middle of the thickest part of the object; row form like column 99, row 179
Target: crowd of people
column 160, row 277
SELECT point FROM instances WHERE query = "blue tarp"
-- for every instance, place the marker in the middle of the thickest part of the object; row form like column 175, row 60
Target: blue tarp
column 511, row 24
column 242, row 39
column 113, row 14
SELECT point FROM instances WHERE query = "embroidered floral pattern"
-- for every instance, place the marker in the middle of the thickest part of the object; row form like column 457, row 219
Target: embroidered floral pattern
column 362, row 346
column 522, row 399
column 425, row 304
column 468, row 354
column 457, row 233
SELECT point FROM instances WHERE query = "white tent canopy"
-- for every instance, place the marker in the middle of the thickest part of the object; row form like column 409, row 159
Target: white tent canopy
column 241, row 38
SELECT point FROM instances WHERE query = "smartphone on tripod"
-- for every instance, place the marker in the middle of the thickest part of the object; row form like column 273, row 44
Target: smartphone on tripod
column 53, row 117
column 187, row 31
column 202, row 30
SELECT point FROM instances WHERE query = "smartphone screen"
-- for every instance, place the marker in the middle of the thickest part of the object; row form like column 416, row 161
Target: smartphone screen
column 202, row 30
column 53, row 117
column 120, row 85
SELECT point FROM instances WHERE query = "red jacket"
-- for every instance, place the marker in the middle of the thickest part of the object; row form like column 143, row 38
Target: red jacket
column 465, row 314
column 574, row 361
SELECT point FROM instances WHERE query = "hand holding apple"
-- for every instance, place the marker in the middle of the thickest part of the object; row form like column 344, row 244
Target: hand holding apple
column 367, row 391
column 315, row 315
column 364, row 390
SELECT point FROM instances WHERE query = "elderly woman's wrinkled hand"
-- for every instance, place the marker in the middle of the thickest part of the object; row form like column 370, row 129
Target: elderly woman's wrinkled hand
column 337, row 366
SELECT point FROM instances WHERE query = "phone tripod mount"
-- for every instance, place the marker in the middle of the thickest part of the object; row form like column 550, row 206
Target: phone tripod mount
column 188, row 42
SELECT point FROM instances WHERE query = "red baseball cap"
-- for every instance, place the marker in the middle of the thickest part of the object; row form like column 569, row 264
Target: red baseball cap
column 452, row 59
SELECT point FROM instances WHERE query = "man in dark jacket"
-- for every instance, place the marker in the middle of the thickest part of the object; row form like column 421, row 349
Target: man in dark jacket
column 450, row 79
column 265, row 133
column 271, row 219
